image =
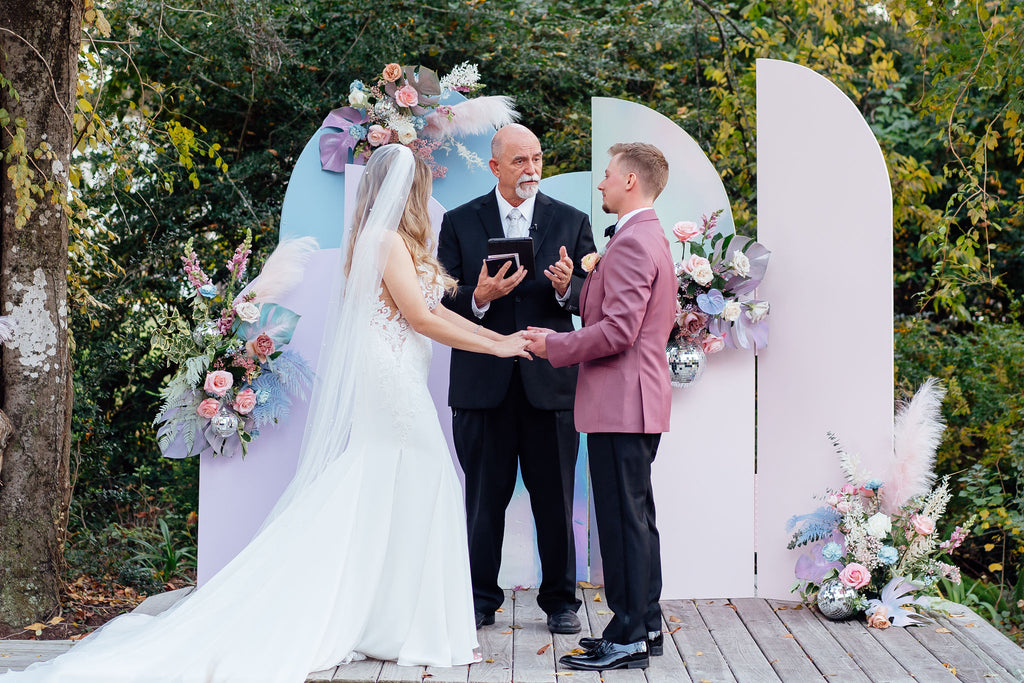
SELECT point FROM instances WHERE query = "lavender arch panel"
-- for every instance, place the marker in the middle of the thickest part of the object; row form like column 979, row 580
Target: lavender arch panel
column 825, row 211
column 704, row 472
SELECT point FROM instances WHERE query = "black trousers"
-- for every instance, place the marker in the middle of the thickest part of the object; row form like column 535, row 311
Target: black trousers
column 489, row 443
column 620, row 473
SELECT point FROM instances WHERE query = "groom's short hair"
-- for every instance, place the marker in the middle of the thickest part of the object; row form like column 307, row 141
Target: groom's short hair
column 646, row 161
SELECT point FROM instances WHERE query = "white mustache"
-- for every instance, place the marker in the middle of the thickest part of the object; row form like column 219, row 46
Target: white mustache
column 528, row 177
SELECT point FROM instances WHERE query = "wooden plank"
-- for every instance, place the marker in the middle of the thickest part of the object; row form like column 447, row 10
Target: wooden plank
column 392, row 673
column 974, row 647
column 567, row 643
column 15, row 655
column 775, row 641
column 912, row 655
column 745, row 658
column 531, row 641
column 873, row 659
column 950, row 652
column 696, row 647
column 1008, row 654
column 325, row 676
column 364, row 671
column 669, row 667
column 827, row 655
column 495, row 647
column 599, row 615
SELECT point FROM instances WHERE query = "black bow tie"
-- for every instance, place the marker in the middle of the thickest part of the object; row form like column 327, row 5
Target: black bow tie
column 609, row 231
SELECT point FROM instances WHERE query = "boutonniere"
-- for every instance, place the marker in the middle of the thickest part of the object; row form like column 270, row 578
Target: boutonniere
column 589, row 262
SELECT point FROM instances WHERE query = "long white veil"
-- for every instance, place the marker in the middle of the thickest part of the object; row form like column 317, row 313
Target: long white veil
column 383, row 192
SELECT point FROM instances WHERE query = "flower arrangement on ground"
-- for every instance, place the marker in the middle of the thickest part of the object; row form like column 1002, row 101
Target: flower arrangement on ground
column 879, row 537
column 235, row 373
column 716, row 278
column 404, row 106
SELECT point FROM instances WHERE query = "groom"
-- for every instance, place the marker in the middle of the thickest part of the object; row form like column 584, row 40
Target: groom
column 506, row 412
column 623, row 400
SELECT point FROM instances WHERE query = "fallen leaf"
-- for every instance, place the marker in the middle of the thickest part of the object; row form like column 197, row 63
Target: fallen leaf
column 426, row 675
column 490, row 660
column 788, row 635
column 544, row 648
column 675, row 620
column 674, row 630
column 733, row 607
column 35, row 627
column 597, row 597
column 798, row 607
column 563, row 673
column 952, row 669
column 506, row 632
column 587, row 584
column 780, row 608
column 699, row 653
column 576, row 651
column 55, row 620
column 500, row 609
column 517, row 626
column 77, row 636
column 942, row 630
column 604, row 611
column 971, row 625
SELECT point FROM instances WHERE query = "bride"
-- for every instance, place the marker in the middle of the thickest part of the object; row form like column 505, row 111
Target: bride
column 365, row 553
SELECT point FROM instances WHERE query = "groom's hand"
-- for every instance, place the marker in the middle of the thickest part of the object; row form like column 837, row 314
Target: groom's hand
column 490, row 288
column 538, row 337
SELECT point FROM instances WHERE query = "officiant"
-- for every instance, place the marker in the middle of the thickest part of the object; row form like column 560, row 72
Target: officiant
column 507, row 412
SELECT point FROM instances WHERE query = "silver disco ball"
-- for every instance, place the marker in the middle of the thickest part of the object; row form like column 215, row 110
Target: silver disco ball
column 836, row 601
column 203, row 331
column 685, row 361
column 225, row 423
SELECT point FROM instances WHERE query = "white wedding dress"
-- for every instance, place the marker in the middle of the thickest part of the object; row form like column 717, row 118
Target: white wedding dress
column 368, row 560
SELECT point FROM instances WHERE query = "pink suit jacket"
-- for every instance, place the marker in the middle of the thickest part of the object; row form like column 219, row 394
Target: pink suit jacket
column 628, row 304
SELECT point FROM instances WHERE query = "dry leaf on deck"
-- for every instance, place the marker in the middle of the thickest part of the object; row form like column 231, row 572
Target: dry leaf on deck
column 675, row 620
column 576, row 651
column 587, row 584
column 505, row 633
column 35, row 627
column 674, row 630
column 55, row 620
column 597, row 597
column 500, row 609
column 604, row 611
column 544, row 648
column 942, row 630
column 490, row 660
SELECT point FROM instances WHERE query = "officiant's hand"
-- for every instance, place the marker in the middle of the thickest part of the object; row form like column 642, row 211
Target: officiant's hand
column 560, row 272
column 538, row 337
column 490, row 288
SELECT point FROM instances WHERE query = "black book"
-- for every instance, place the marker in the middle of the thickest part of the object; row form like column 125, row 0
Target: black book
column 505, row 247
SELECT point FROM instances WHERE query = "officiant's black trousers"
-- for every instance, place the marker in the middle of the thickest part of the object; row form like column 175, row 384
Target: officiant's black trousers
column 544, row 443
column 620, row 473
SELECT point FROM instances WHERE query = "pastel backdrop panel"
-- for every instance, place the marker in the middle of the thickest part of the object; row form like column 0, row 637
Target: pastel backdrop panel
column 825, row 210
column 704, row 473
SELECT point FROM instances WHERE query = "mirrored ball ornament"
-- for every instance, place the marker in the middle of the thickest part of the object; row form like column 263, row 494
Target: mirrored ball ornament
column 685, row 361
column 225, row 423
column 203, row 332
column 836, row 601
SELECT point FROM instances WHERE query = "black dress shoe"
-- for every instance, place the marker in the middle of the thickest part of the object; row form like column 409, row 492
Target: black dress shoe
column 608, row 655
column 655, row 643
column 564, row 621
column 483, row 618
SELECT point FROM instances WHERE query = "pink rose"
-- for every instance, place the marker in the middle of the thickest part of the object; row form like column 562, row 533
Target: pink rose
column 406, row 96
column 686, row 230
column 923, row 525
column 378, row 135
column 245, row 401
column 879, row 618
column 832, row 499
column 693, row 322
column 849, row 489
column 843, row 506
column 208, row 408
column 855, row 575
column 391, row 72
column 712, row 344
column 695, row 262
column 218, row 382
column 261, row 347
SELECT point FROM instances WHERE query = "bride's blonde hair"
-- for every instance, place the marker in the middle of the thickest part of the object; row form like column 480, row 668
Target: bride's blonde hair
column 414, row 226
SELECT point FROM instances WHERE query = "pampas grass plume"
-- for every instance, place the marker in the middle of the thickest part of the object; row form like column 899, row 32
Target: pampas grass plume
column 472, row 117
column 282, row 271
column 917, row 434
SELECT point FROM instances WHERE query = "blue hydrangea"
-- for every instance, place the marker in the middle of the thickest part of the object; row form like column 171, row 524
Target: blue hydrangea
column 888, row 555
column 419, row 122
column 262, row 396
column 873, row 484
column 832, row 551
column 356, row 85
column 208, row 291
column 357, row 131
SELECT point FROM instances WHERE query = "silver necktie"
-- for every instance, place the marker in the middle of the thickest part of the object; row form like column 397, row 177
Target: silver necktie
column 515, row 223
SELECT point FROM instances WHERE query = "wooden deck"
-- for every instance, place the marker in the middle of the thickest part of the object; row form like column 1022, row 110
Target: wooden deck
column 743, row 639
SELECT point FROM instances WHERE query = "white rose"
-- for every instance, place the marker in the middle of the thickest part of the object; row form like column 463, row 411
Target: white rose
column 358, row 99
column 732, row 310
column 406, row 131
column 878, row 525
column 740, row 264
column 758, row 311
column 247, row 312
column 702, row 274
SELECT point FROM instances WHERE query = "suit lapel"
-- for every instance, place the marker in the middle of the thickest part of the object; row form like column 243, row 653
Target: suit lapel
column 489, row 218
column 542, row 211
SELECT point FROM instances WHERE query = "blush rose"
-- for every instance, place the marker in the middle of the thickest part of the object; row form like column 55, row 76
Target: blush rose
column 208, row 408
column 245, row 401
column 218, row 382
column 855, row 575
column 378, row 135
column 686, row 230
column 391, row 72
column 923, row 525
column 406, row 96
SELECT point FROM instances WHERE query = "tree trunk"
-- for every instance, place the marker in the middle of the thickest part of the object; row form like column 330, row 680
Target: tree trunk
column 39, row 43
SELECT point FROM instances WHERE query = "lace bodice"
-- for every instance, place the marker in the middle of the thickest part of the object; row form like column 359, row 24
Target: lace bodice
column 393, row 327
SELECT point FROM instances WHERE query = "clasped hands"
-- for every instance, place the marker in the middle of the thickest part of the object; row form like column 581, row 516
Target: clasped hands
column 490, row 288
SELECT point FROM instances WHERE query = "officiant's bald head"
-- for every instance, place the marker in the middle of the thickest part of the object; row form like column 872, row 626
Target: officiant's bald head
column 517, row 162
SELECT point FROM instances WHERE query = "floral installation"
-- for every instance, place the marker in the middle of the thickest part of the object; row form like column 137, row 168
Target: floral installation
column 716, row 277
column 235, row 374
column 879, row 537
column 403, row 105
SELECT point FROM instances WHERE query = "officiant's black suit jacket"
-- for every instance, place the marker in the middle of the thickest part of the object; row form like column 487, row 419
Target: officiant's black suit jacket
column 480, row 381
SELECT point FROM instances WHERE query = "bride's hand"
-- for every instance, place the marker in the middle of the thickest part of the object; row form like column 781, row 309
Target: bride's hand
column 512, row 345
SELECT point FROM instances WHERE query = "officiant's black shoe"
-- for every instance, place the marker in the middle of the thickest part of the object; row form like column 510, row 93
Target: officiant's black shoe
column 608, row 655
column 483, row 618
column 564, row 621
column 655, row 643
